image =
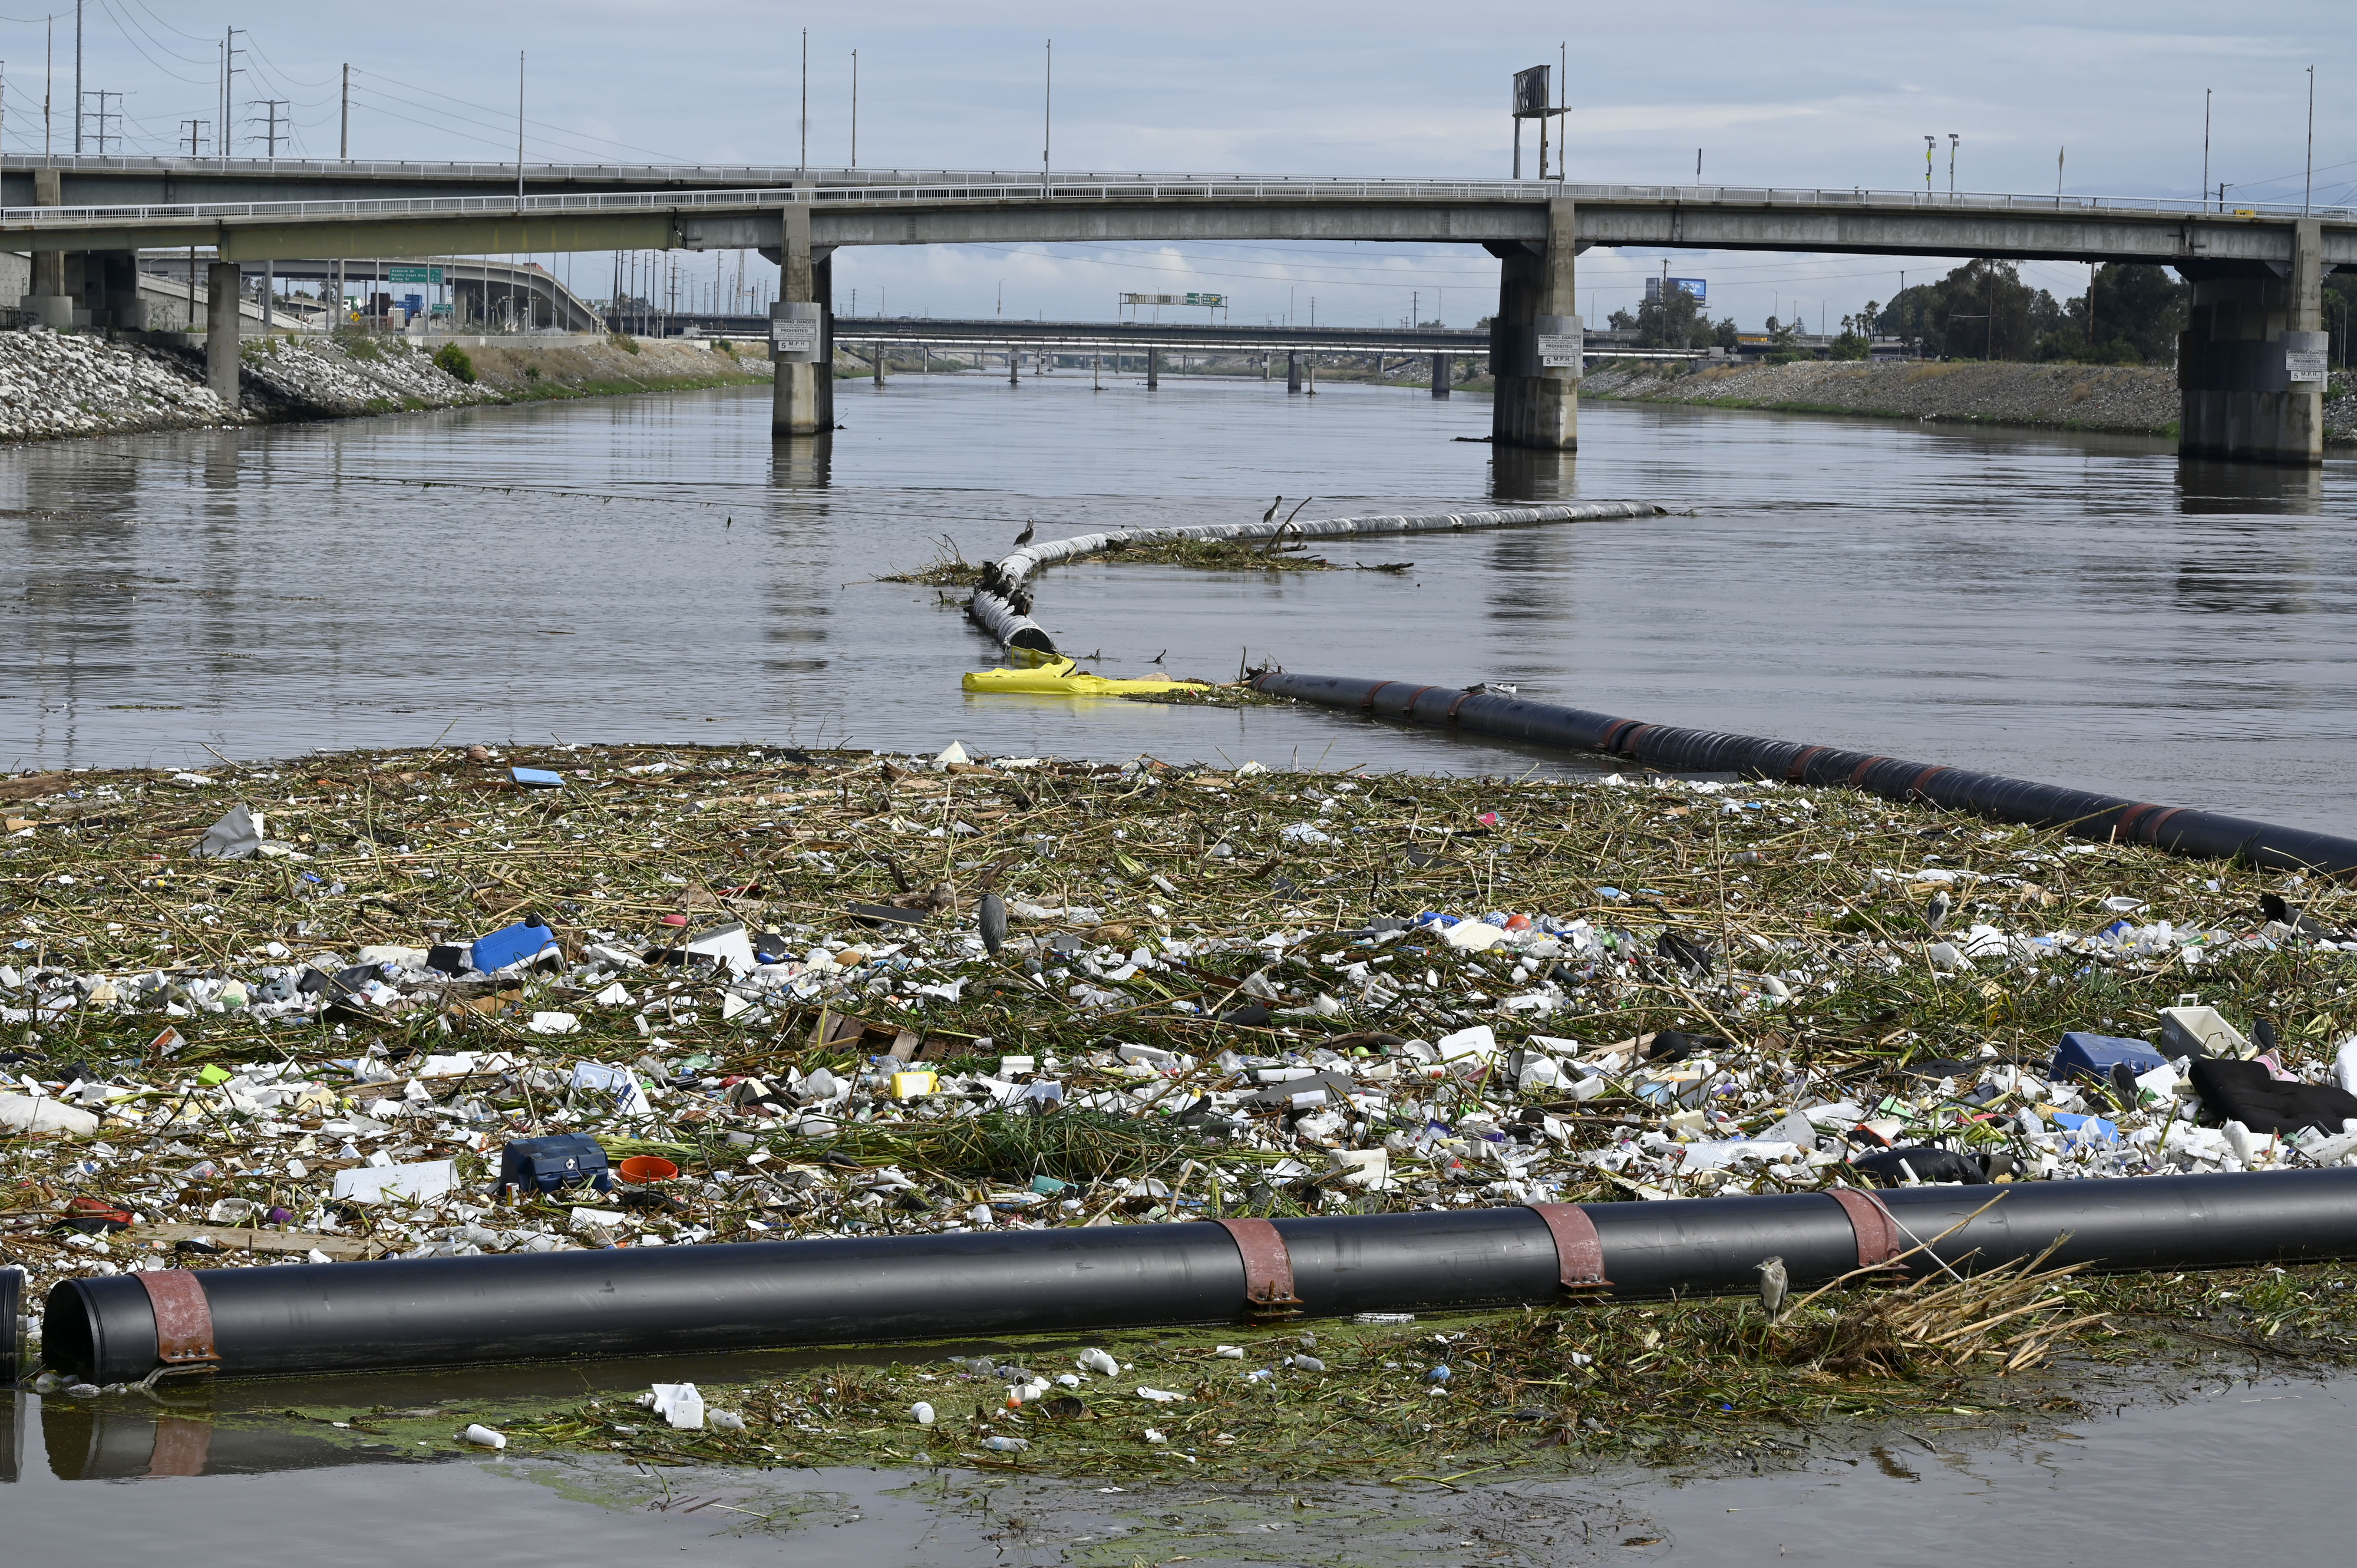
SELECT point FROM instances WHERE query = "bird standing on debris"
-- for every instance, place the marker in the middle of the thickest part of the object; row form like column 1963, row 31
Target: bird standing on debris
column 1771, row 1287
column 1030, row 527
column 1272, row 509
column 1938, row 914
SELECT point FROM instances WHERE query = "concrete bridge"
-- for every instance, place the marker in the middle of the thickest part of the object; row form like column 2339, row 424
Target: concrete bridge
column 2251, row 361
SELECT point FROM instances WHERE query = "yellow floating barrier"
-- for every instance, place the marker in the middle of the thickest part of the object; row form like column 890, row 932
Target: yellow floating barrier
column 1061, row 678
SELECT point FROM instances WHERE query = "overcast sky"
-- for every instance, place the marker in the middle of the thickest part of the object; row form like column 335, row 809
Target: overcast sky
column 1797, row 94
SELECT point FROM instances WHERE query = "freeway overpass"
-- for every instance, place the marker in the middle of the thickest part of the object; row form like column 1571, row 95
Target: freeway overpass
column 2252, row 365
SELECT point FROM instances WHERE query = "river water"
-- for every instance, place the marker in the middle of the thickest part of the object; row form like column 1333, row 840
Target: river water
column 2078, row 608
column 2081, row 609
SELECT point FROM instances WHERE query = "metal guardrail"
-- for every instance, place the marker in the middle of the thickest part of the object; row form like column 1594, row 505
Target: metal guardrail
column 1147, row 189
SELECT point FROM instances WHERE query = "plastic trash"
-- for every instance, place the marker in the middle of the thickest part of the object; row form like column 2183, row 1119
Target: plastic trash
column 367, row 1184
column 2344, row 1065
column 1098, row 1362
column 2092, row 1057
column 237, row 836
column 992, row 917
column 1007, row 1445
column 2192, row 1031
column 482, row 1436
column 27, row 1113
column 1160, row 1396
column 641, row 1168
column 724, row 1421
column 678, row 1403
column 537, row 777
column 546, row 1165
column 728, row 945
column 523, row 942
column 921, row 1413
column 914, row 1085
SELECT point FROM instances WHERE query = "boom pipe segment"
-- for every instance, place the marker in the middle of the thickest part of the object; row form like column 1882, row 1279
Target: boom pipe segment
column 2083, row 813
column 737, row 1296
column 1002, row 606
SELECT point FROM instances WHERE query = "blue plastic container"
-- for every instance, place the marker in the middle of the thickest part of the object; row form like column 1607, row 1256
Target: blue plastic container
column 561, row 1160
column 527, row 939
column 537, row 777
column 2092, row 1057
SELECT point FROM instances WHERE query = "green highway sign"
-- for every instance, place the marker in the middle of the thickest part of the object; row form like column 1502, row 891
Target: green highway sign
column 412, row 275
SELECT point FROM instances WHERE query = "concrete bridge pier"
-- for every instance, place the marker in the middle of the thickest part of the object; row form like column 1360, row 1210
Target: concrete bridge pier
column 1440, row 375
column 1013, row 366
column 1153, row 370
column 1292, row 371
column 801, row 398
column 221, row 283
column 2251, row 362
column 1534, row 339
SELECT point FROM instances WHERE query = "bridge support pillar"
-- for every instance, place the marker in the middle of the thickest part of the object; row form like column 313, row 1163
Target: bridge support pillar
column 222, row 281
column 799, row 338
column 1535, row 340
column 1440, row 375
column 1292, row 369
column 2251, row 362
column 1153, row 369
column 1013, row 366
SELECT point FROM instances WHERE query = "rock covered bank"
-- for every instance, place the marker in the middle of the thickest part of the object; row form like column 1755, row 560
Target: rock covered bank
column 2141, row 400
column 56, row 385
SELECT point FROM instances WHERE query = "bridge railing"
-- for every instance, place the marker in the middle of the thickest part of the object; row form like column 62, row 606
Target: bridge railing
column 1060, row 191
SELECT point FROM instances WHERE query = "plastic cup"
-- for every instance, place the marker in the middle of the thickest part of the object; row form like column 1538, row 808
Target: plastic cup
column 647, row 1168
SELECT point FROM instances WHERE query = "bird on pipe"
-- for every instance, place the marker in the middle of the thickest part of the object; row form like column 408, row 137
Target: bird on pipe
column 1773, row 1285
column 1029, row 528
column 1272, row 509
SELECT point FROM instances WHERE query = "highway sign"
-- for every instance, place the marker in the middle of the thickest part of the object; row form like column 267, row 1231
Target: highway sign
column 412, row 275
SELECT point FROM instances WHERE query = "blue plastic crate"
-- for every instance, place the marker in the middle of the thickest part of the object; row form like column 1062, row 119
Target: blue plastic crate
column 560, row 1160
column 2092, row 1057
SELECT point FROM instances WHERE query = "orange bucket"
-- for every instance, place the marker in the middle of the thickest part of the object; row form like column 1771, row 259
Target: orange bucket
column 646, row 1168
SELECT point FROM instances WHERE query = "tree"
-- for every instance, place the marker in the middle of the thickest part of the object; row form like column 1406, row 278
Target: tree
column 2139, row 310
column 1857, row 339
column 1621, row 321
column 1981, row 311
column 1673, row 321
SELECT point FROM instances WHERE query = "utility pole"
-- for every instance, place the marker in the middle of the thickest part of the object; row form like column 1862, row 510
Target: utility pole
column 229, row 51
column 519, row 130
column 854, row 109
column 49, row 82
column 2205, row 147
column 77, row 4
column 271, row 106
column 1047, row 115
column 1929, row 142
column 1952, row 140
column 344, row 141
column 805, row 162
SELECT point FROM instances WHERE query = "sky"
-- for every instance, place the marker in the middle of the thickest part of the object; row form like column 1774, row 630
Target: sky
column 1798, row 94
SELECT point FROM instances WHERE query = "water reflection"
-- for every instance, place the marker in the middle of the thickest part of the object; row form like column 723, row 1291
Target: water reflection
column 1522, row 477
column 2206, row 486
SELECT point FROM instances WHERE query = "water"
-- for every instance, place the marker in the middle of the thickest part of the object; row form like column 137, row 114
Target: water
column 2081, row 609
column 2258, row 1458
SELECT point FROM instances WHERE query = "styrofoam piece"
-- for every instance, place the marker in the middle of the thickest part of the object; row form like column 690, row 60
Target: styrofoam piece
column 31, row 1113
column 426, row 1179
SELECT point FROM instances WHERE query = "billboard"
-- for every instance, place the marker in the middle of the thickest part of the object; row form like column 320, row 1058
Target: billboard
column 1699, row 289
column 1214, row 300
column 1530, row 94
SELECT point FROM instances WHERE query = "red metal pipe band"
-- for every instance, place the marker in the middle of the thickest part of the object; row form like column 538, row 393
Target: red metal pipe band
column 1877, row 1233
column 184, row 1319
column 1915, row 785
column 1268, row 1267
column 1858, row 778
column 1800, row 764
column 1578, row 1250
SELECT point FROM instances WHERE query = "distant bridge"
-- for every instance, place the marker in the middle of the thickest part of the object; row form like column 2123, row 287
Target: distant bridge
column 2252, row 368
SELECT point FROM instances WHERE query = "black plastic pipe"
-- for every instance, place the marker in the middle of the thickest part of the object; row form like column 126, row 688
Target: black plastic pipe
column 442, row 1312
column 2083, row 813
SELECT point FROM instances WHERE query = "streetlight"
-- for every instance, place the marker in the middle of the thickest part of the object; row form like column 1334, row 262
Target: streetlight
column 1929, row 142
column 1952, row 140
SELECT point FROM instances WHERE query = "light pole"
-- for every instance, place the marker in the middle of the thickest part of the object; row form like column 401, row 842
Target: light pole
column 2205, row 147
column 1929, row 142
column 1952, row 140
column 2308, row 184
